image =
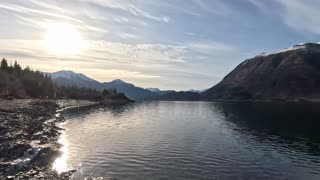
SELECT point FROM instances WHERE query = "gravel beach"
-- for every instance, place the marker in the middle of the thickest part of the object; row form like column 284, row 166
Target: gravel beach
column 29, row 136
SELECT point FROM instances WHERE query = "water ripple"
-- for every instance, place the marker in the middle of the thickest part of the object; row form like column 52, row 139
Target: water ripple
column 184, row 140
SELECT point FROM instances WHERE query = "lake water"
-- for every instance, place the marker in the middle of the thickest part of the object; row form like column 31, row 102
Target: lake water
column 194, row 140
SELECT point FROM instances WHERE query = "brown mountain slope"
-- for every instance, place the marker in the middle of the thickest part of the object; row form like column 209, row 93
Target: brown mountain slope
column 293, row 73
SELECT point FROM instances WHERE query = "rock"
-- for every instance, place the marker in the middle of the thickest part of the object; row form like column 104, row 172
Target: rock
column 21, row 131
column 32, row 172
column 10, row 98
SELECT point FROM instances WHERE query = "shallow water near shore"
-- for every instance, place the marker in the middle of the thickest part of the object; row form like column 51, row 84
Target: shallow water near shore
column 193, row 140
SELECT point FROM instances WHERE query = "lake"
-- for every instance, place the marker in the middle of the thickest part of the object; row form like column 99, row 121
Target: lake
column 193, row 140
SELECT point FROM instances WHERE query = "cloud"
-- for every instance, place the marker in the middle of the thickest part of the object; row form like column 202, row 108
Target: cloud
column 301, row 15
column 216, row 7
column 125, row 8
column 102, row 74
column 138, row 12
column 127, row 35
column 117, row 53
column 106, row 60
column 26, row 10
column 261, row 6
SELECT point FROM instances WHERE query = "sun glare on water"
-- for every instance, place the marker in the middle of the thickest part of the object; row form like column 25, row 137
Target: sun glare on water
column 63, row 39
column 60, row 164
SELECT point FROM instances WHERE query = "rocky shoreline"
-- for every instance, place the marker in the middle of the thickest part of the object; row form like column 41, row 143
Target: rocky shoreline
column 29, row 134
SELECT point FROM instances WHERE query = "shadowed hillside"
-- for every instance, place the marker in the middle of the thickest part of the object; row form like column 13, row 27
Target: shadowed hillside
column 291, row 74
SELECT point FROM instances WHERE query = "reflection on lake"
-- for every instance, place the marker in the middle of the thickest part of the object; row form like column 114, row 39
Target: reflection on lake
column 195, row 140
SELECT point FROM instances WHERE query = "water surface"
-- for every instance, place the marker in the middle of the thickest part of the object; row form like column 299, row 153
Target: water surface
column 194, row 140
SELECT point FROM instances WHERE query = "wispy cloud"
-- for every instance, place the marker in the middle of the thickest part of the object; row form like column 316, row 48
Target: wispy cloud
column 122, row 7
column 301, row 15
column 296, row 14
column 127, row 35
column 217, row 7
column 25, row 11
column 261, row 6
column 107, row 60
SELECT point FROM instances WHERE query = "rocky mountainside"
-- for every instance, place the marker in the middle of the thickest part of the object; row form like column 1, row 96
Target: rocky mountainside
column 70, row 78
column 290, row 74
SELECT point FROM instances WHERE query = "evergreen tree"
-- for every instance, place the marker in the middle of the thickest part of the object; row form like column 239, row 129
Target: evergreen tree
column 4, row 64
column 17, row 66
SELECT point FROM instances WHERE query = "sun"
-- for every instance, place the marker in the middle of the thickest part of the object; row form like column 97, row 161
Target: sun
column 63, row 39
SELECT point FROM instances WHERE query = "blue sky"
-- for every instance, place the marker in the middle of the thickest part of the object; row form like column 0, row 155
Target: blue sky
column 169, row 44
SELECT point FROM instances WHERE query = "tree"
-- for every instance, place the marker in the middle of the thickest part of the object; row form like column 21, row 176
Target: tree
column 4, row 64
column 114, row 91
column 27, row 69
column 105, row 92
column 17, row 66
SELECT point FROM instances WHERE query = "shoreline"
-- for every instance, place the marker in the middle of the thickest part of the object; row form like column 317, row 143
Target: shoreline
column 29, row 137
column 265, row 100
column 251, row 100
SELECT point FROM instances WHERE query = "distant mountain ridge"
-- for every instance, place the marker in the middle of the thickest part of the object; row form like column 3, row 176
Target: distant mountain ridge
column 136, row 93
column 70, row 78
column 289, row 74
column 160, row 92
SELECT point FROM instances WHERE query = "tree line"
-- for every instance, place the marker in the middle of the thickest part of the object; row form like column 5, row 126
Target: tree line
column 17, row 82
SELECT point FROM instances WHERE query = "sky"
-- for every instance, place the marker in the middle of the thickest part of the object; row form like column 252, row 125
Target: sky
column 166, row 44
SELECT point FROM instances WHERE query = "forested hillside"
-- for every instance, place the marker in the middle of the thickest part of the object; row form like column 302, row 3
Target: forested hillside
column 16, row 82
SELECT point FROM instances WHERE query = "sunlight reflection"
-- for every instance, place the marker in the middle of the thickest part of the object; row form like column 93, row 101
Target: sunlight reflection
column 60, row 164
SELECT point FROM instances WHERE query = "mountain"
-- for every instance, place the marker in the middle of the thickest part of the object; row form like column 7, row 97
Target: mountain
column 171, row 95
column 198, row 91
column 70, row 75
column 160, row 92
column 153, row 89
column 130, row 90
column 181, row 96
column 70, row 78
column 290, row 74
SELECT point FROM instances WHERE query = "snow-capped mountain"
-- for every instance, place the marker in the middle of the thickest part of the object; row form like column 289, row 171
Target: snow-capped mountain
column 153, row 89
column 70, row 78
column 301, row 47
column 197, row 91
column 69, row 75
